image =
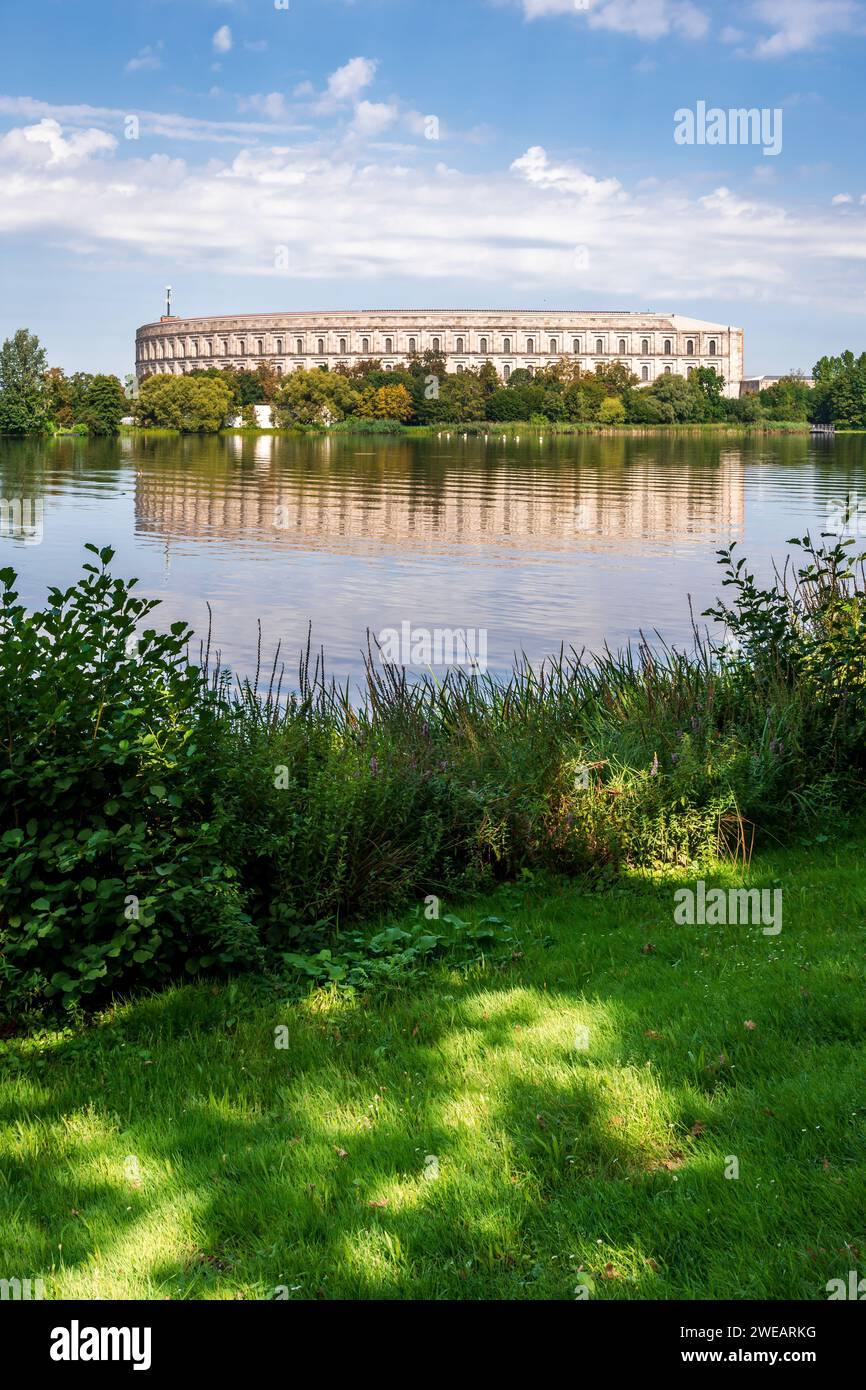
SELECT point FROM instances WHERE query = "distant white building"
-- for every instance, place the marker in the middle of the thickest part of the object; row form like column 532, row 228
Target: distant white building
column 650, row 345
column 751, row 385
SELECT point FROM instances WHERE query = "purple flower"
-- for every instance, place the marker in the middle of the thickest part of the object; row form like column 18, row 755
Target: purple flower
column 374, row 765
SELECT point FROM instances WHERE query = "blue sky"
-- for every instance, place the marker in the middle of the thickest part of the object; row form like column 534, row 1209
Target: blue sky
column 397, row 153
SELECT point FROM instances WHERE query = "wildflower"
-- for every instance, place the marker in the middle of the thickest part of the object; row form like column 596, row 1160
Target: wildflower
column 654, row 770
column 750, row 1024
column 374, row 765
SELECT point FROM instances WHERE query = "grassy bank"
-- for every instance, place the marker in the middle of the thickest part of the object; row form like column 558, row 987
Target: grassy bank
column 582, row 1094
column 156, row 821
column 509, row 429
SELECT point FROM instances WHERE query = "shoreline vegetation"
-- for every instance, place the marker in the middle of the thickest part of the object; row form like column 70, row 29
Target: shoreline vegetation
column 496, row 430
column 160, row 819
column 560, row 397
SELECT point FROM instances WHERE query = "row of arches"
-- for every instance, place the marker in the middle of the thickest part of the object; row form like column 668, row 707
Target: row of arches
column 157, row 349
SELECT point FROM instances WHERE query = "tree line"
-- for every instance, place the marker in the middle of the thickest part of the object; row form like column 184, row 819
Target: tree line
column 37, row 399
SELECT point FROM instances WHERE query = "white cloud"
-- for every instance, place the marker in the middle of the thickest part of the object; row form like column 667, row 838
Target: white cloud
column 347, row 217
column 372, row 117
column 45, row 144
column 347, row 83
column 222, row 39
column 272, row 105
column 841, row 198
column 648, row 19
column 536, row 168
column 166, row 125
column 799, row 25
column 145, row 58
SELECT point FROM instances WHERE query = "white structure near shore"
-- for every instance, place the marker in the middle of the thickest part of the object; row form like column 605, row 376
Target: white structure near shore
column 650, row 345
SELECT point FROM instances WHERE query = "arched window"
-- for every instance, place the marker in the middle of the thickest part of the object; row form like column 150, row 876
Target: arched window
column 599, row 346
column 712, row 347
column 644, row 345
column 506, row 347
column 575, row 346
column 552, row 348
column 278, row 348
column 342, row 346
column 530, row 344
column 436, row 346
column 260, row 346
column 667, row 347
column 459, row 347
column 208, row 349
column 622, row 348
column 691, row 371
column 279, row 368
column 321, row 348
column 365, row 345
column 667, row 371
column 460, row 366
column 690, row 346
column 644, row 373
column 483, row 345
column 193, row 347
column 412, row 345
column 389, row 344
column 299, row 346
column 225, row 347
column 242, row 347
column 506, row 371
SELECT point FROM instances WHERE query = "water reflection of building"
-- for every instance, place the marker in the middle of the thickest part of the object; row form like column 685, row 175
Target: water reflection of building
column 374, row 498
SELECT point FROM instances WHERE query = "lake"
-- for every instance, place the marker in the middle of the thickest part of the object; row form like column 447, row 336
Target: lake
column 539, row 541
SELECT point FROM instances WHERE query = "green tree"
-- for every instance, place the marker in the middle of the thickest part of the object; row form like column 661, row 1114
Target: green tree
column 58, row 392
column 461, row 397
column 315, row 398
column 194, row 405
column 611, row 411
column 391, row 402
column 104, row 405
column 840, row 390
column 23, row 393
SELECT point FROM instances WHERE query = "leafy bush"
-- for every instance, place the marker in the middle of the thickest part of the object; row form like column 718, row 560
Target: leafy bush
column 109, row 869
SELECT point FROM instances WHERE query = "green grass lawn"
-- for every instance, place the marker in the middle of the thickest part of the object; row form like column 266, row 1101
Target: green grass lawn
column 581, row 1100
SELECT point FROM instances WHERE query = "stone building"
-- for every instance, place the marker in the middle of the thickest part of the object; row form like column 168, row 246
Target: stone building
column 648, row 344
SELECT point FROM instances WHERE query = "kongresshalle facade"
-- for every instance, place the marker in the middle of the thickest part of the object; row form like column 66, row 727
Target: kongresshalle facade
column 648, row 344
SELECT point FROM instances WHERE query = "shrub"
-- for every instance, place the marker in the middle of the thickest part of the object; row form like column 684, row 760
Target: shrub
column 109, row 869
